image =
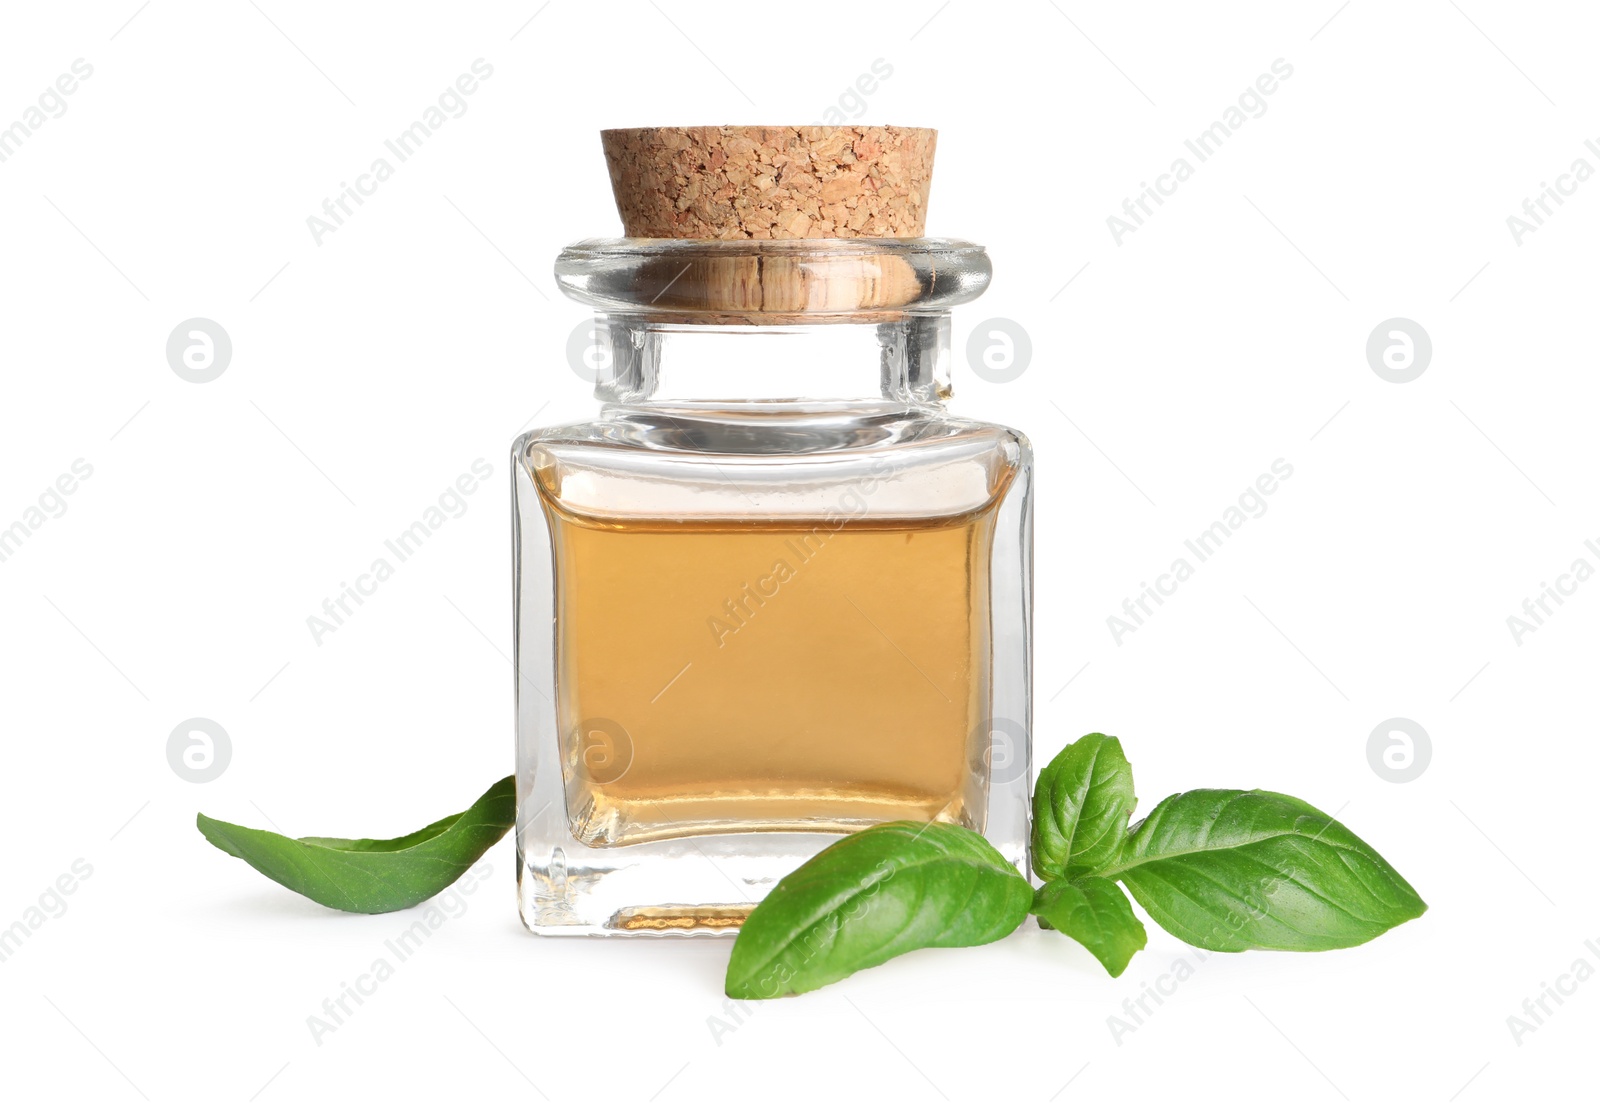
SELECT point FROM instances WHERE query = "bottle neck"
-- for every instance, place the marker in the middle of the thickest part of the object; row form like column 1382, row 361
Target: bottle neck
column 645, row 362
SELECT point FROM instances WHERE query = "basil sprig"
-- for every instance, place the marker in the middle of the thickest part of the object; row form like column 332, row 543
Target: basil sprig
column 1222, row 869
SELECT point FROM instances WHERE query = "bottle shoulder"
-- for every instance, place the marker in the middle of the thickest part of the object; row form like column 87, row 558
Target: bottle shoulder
column 926, row 461
column 781, row 433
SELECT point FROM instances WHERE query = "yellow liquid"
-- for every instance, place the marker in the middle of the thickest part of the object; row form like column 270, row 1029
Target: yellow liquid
column 805, row 675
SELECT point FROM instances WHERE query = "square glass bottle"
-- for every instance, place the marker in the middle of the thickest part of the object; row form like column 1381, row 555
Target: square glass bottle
column 775, row 592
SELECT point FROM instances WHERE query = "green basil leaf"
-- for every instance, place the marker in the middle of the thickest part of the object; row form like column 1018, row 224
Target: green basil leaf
column 871, row 896
column 1227, row 869
column 1081, row 806
column 374, row 875
column 1094, row 912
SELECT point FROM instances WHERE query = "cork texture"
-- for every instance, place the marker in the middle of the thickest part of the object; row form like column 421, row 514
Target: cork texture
column 771, row 182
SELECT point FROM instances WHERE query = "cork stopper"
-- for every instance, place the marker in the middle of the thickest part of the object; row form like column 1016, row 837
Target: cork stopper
column 771, row 182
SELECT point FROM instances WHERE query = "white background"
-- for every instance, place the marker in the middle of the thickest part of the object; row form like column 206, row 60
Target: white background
column 369, row 371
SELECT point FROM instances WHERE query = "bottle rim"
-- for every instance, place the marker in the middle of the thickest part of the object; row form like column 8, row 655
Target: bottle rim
column 787, row 281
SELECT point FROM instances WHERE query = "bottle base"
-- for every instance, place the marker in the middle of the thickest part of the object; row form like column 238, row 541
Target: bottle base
column 692, row 887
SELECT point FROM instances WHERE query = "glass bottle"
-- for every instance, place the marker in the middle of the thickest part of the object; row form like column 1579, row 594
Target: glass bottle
column 774, row 593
